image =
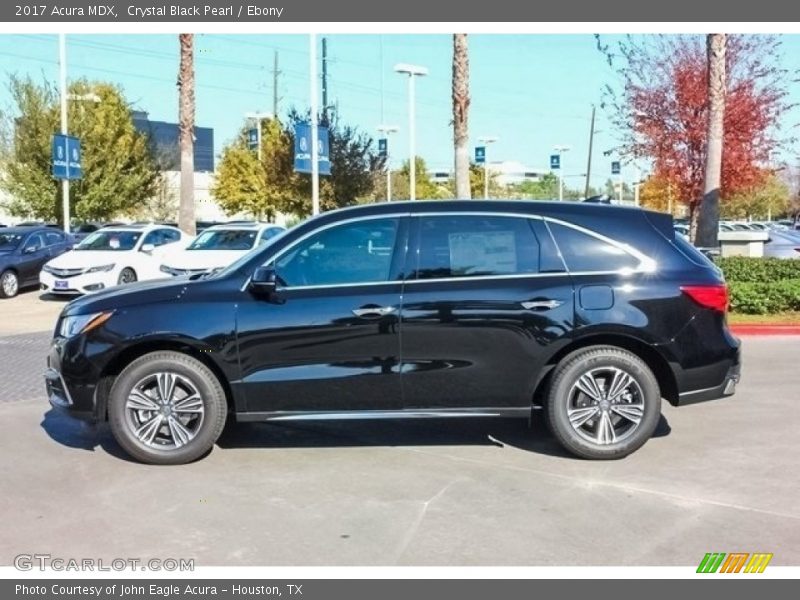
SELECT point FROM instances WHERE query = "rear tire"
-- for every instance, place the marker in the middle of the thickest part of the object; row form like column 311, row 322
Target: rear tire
column 167, row 408
column 603, row 403
column 9, row 284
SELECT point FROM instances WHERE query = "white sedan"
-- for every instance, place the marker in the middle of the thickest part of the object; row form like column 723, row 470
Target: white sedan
column 111, row 256
column 219, row 246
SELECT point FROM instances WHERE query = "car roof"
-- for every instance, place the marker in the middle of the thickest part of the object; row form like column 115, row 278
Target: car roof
column 243, row 226
column 23, row 229
column 143, row 227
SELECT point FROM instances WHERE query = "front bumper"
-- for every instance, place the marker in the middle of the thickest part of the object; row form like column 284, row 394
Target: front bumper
column 71, row 394
column 86, row 283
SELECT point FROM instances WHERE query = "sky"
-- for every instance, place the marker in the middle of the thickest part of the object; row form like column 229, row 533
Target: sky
column 532, row 91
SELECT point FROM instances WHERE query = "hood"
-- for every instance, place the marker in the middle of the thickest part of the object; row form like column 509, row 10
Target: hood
column 81, row 259
column 201, row 259
column 117, row 297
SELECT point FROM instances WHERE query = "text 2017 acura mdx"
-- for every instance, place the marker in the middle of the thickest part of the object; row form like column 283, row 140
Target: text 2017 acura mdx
column 440, row 309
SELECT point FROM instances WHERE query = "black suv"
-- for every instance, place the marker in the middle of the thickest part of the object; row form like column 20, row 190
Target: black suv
column 426, row 309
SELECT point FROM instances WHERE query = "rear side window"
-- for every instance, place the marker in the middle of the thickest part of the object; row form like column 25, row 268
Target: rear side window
column 586, row 253
column 54, row 238
column 474, row 246
column 692, row 253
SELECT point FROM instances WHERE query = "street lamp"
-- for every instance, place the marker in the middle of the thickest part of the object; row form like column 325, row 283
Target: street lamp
column 258, row 117
column 412, row 71
column 486, row 141
column 387, row 130
column 560, row 150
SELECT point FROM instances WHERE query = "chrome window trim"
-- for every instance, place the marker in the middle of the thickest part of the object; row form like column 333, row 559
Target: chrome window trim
column 646, row 264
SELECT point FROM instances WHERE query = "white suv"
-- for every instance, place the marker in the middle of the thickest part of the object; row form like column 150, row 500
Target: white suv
column 112, row 256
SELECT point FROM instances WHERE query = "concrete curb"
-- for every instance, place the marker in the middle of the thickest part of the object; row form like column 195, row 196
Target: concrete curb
column 765, row 329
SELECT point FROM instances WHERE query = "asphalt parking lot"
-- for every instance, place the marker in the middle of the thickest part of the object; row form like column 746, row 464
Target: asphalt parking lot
column 719, row 476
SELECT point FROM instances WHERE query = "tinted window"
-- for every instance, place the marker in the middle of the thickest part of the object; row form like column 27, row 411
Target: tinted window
column 154, row 238
column 584, row 252
column 359, row 252
column 35, row 240
column 169, row 236
column 54, row 238
column 9, row 240
column 268, row 234
column 472, row 246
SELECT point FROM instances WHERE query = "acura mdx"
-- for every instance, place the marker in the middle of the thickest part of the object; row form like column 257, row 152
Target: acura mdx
column 590, row 312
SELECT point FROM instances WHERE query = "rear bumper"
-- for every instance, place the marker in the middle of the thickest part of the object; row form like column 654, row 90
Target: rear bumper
column 724, row 389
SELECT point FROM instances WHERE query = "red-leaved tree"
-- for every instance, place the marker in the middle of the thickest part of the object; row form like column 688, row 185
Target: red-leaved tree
column 659, row 108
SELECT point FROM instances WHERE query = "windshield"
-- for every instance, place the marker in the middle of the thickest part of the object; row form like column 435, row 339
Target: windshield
column 224, row 239
column 9, row 241
column 234, row 266
column 106, row 239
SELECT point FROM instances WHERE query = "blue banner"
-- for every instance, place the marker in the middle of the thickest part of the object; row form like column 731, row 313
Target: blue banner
column 555, row 161
column 252, row 139
column 615, row 167
column 480, row 154
column 66, row 157
column 383, row 147
column 302, row 149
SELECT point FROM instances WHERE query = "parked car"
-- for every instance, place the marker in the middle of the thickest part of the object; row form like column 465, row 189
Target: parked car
column 82, row 230
column 23, row 251
column 219, row 246
column 111, row 256
column 416, row 309
column 782, row 245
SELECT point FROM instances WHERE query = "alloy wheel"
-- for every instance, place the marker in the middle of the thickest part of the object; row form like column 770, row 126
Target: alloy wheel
column 10, row 284
column 605, row 405
column 164, row 410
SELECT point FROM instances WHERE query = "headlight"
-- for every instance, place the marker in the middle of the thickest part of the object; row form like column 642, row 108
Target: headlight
column 72, row 326
column 100, row 269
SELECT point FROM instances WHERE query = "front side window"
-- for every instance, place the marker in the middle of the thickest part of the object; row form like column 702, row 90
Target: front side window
column 474, row 246
column 357, row 252
column 224, row 239
column 583, row 252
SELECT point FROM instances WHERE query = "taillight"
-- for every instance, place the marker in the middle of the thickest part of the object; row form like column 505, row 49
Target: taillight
column 714, row 297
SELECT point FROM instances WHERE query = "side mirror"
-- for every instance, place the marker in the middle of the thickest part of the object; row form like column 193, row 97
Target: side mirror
column 264, row 281
column 148, row 248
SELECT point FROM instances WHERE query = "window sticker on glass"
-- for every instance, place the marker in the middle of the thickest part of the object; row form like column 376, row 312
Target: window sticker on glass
column 484, row 252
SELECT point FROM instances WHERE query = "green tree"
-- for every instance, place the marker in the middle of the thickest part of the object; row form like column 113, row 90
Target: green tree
column 258, row 189
column 772, row 198
column 427, row 189
column 119, row 171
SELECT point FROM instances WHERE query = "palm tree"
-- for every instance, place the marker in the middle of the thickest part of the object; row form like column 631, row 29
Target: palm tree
column 186, row 110
column 704, row 230
column 460, row 113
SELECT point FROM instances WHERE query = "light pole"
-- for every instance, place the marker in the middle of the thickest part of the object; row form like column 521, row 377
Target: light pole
column 560, row 150
column 258, row 117
column 412, row 71
column 312, row 64
column 387, row 130
column 62, row 63
column 486, row 141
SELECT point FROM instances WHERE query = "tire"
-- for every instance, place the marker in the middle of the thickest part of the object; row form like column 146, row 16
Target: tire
column 9, row 284
column 127, row 275
column 168, row 435
column 604, row 422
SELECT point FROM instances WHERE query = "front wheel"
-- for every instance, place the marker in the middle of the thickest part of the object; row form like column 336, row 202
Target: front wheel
column 167, row 408
column 127, row 275
column 604, row 402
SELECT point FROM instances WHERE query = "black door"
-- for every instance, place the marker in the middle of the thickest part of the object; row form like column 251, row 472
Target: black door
column 482, row 309
column 34, row 254
column 328, row 339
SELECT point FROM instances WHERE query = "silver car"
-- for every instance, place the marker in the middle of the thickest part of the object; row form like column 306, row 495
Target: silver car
column 782, row 245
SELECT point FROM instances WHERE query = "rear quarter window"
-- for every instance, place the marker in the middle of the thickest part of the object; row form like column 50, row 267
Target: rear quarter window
column 583, row 252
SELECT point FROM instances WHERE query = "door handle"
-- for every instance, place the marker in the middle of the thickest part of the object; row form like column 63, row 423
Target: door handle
column 373, row 312
column 541, row 304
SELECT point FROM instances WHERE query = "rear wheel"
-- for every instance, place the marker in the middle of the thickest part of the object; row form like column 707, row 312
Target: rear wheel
column 127, row 275
column 167, row 408
column 9, row 284
column 604, row 402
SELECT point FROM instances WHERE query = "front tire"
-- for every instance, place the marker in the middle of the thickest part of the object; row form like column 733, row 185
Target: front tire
column 604, row 402
column 167, row 408
column 127, row 275
column 9, row 284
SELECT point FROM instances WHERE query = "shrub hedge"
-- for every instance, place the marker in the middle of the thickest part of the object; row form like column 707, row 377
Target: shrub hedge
column 760, row 286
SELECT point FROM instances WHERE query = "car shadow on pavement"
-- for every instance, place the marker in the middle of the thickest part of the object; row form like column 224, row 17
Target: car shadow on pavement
column 498, row 432
column 78, row 434
column 55, row 297
column 489, row 431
